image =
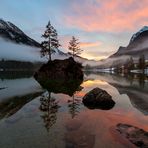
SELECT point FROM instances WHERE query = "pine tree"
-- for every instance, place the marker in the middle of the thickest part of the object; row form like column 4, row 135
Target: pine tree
column 131, row 64
column 51, row 41
column 142, row 62
column 74, row 47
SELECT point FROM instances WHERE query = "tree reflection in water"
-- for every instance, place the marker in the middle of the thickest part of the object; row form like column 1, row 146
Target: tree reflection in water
column 50, row 107
column 74, row 106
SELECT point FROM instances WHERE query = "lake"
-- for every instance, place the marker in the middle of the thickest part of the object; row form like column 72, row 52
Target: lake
column 32, row 117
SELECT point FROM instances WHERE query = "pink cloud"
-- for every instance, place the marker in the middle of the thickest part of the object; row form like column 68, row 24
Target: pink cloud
column 107, row 15
column 90, row 44
column 66, row 38
column 89, row 48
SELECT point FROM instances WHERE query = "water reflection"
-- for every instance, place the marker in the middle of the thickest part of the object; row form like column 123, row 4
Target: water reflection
column 16, row 90
column 12, row 105
column 70, row 124
column 15, row 74
column 65, row 87
column 137, row 92
column 49, row 106
column 74, row 106
column 133, row 85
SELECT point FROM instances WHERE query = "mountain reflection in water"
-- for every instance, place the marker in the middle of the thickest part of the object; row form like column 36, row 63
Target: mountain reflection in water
column 56, row 117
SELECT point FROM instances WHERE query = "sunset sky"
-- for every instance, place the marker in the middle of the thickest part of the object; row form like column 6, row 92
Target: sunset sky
column 100, row 25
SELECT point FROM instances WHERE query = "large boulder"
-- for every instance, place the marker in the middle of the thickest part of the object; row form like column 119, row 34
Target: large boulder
column 98, row 99
column 66, row 69
column 137, row 136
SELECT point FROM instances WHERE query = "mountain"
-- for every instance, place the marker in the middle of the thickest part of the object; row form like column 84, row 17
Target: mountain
column 138, row 45
column 16, row 45
column 10, row 32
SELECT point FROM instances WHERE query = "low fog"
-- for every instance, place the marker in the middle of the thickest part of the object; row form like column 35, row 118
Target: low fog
column 12, row 51
column 20, row 52
column 139, row 46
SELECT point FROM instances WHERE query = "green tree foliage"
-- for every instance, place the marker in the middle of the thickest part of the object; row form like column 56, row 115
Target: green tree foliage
column 50, row 43
column 74, row 47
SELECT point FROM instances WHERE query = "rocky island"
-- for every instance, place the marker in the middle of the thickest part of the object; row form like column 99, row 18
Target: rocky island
column 55, row 70
column 60, row 76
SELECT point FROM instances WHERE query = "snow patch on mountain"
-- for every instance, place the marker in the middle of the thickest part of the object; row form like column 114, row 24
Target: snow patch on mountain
column 9, row 25
column 11, row 32
column 145, row 28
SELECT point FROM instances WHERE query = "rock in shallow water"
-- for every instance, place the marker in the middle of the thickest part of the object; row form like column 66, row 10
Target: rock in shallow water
column 98, row 99
column 137, row 136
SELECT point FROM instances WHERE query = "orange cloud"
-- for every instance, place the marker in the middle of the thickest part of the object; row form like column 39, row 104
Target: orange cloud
column 89, row 51
column 107, row 15
column 89, row 44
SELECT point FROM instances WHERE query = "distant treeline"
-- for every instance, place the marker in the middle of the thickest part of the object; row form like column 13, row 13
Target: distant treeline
column 16, row 74
column 11, row 65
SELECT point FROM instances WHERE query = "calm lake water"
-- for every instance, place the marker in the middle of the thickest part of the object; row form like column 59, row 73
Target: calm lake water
column 32, row 117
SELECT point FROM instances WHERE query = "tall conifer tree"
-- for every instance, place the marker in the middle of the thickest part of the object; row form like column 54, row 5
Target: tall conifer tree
column 50, row 43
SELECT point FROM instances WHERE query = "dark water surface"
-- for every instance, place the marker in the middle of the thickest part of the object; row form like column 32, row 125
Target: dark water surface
column 32, row 117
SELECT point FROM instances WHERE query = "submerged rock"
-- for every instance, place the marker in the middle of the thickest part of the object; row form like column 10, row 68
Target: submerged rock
column 98, row 99
column 137, row 136
column 60, row 69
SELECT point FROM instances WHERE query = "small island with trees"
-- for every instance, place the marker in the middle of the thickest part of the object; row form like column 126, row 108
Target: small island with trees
column 58, row 70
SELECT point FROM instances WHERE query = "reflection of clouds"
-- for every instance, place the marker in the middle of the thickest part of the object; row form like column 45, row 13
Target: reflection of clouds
column 90, row 83
column 99, row 123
